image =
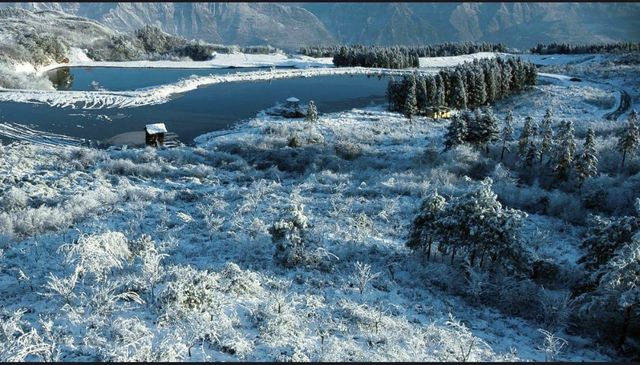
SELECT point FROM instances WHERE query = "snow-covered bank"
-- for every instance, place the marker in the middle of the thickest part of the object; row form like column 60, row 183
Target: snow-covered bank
column 239, row 60
column 562, row 59
column 163, row 93
column 452, row 61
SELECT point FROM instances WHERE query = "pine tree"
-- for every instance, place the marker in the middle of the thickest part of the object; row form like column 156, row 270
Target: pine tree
column 410, row 103
column 616, row 282
column 456, row 132
column 547, row 134
column 566, row 151
column 490, row 79
column 479, row 96
column 422, row 93
column 476, row 224
column 630, row 138
column 432, row 88
column 483, row 128
column 507, row 133
column 532, row 154
column 424, row 227
column 525, row 134
column 312, row 112
column 459, row 94
column 507, row 84
column 587, row 164
column 440, row 97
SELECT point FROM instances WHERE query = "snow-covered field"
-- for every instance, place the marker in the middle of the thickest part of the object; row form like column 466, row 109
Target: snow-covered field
column 451, row 61
column 203, row 282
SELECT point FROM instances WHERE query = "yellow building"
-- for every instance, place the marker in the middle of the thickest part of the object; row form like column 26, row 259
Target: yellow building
column 439, row 113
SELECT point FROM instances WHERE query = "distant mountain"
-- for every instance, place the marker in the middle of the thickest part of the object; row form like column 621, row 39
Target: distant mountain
column 296, row 24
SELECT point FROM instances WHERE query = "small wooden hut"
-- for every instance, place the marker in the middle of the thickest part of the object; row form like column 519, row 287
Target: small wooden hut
column 154, row 134
column 293, row 103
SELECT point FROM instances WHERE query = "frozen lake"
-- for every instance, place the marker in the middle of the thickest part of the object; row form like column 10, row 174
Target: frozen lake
column 190, row 114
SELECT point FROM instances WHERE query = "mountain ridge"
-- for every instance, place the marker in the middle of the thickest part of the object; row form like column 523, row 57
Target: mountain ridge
column 291, row 25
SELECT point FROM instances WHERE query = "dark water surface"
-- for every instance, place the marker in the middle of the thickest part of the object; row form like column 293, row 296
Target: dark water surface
column 194, row 113
column 123, row 78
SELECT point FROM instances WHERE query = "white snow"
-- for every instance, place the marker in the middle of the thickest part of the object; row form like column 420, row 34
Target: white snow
column 156, row 128
column 452, row 61
column 210, row 206
column 78, row 58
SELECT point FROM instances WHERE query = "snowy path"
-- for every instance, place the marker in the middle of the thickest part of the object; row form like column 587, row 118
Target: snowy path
column 622, row 98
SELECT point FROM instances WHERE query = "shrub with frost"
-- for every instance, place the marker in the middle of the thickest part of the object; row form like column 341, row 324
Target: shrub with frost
column 150, row 262
column 348, row 150
column 131, row 340
column 363, row 275
column 20, row 344
column 238, row 281
column 290, row 237
column 278, row 321
column 190, row 290
column 14, row 199
column 99, row 253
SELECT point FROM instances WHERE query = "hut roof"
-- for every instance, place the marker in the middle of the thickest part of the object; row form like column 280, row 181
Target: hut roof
column 156, row 128
column 293, row 100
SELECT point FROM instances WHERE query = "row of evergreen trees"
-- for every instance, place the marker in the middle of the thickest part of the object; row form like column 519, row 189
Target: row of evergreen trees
column 469, row 85
column 565, row 48
column 374, row 56
column 432, row 50
column 538, row 145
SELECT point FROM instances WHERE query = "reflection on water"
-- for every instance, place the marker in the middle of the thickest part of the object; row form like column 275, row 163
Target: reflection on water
column 61, row 78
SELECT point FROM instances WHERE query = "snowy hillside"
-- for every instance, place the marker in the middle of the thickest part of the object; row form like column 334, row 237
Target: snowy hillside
column 169, row 246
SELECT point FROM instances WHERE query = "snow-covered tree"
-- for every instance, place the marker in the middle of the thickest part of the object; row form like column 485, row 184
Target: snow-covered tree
column 422, row 93
column 432, row 91
column 630, row 137
column 605, row 236
column 618, row 281
column 547, row 135
column 483, row 127
column 476, row 224
column 525, row 134
column 424, row 227
column 456, row 132
column 587, row 163
column 459, row 93
column 532, row 154
column 440, row 95
column 507, row 133
column 566, row 149
column 312, row 112
column 479, row 95
column 410, row 103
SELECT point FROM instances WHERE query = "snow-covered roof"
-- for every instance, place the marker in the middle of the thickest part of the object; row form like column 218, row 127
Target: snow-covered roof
column 293, row 100
column 156, row 128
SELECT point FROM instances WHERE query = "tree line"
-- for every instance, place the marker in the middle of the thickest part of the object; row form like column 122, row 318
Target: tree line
column 150, row 42
column 566, row 48
column 469, row 85
column 397, row 56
